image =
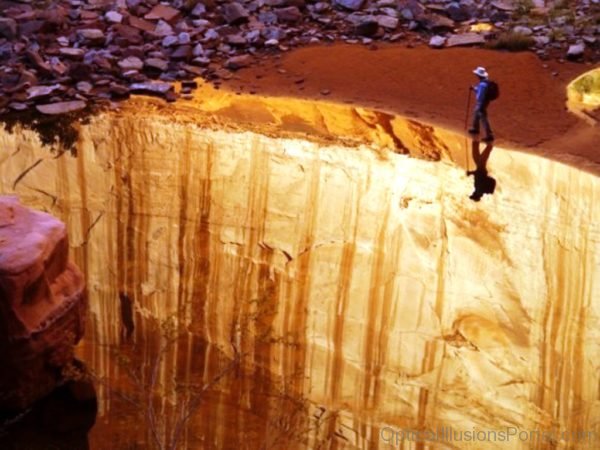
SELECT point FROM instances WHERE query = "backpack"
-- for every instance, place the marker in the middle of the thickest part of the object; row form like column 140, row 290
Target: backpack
column 492, row 91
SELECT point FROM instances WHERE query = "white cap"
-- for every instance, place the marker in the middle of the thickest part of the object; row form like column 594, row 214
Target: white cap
column 481, row 72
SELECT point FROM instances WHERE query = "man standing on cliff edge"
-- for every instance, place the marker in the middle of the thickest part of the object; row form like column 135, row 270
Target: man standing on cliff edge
column 485, row 91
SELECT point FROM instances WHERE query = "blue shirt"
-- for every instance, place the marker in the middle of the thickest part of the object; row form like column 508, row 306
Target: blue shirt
column 480, row 91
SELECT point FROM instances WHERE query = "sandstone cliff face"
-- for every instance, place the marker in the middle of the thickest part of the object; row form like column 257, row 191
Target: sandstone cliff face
column 42, row 303
column 364, row 277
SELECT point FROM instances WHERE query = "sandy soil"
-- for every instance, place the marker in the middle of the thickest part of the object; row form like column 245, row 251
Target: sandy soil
column 432, row 85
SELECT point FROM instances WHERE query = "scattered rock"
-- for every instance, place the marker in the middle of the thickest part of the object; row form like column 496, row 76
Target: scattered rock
column 465, row 39
column 367, row 27
column 8, row 28
column 169, row 41
column 131, row 63
column 71, row 52
column 156, row 63
column 163, row 12
column 387, row 22
column 436, row 22
column 290, row 14
column 61, row 107
column 575, row 51
column 238, row 62
column 437, row 41
column 113, row 17
column 151, row 87
column 42, row 91
column 93, row 35
column 525, row 31
column 352, row 5
column 234, row 13
column 458, row 12
column 163, row 29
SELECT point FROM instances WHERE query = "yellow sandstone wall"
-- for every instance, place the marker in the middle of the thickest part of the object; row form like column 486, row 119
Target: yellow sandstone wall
column 399, row 301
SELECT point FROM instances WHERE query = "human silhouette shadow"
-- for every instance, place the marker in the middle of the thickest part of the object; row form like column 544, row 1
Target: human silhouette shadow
column 483, row 183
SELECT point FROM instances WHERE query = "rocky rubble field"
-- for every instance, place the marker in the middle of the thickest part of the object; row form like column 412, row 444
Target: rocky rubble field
column 61, row 56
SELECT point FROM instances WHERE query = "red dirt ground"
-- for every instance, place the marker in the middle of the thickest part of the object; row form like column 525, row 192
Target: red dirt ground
column 432, row 85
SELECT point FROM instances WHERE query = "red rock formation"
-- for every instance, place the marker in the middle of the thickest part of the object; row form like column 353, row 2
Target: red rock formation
column 42, row 303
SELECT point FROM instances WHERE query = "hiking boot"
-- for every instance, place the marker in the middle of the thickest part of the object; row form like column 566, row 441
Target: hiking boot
column 489, row 138
column 473, row 131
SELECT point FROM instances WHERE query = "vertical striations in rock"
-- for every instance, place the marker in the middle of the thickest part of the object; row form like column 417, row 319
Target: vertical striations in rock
column 366, row 280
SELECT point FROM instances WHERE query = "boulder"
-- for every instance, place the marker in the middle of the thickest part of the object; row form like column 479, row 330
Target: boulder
column 42, row 304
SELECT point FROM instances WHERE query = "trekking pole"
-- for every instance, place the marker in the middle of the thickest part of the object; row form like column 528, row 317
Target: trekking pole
column 467, row 111
column 466, row 125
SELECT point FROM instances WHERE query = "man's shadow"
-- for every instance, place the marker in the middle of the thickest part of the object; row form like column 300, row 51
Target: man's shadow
column 483, row 183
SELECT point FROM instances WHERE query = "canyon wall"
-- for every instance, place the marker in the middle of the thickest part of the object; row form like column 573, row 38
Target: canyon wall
column 362, row 277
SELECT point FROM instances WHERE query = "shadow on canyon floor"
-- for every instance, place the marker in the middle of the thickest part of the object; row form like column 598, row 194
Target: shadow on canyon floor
column 60, row 421
column 483, row 183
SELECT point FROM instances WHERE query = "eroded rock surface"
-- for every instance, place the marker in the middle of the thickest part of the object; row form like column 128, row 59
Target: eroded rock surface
column 42, row 303
column 366, row 279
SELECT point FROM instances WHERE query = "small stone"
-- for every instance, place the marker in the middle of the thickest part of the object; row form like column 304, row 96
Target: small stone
column 142, row 24
column 70, row 52
column 8, row 28
column 525, row 31
column 42, row 91
column 84, row 87
column 272, row 43
column 234, row 13
column 18, row 106
column 163, row 12
column 61, row 107
column 352, row 5
column 169, row 41
column 238, row 62
column 157, row 63
column 465, row 39
column 541, row 41
column 151, row 87
column 211, row 35
column 184, row 38
column 91, row 34
column 113, row 17
column 182, row 52
column 198, row 50
column 390, row 23
column 163, row 28
column 367, row 27
column 63, row 41
column 199, row 10
column 290, row 14
column 131, row 63
column 236, row 39
column 325, row 92
column 437, row 41
column 576, row 51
